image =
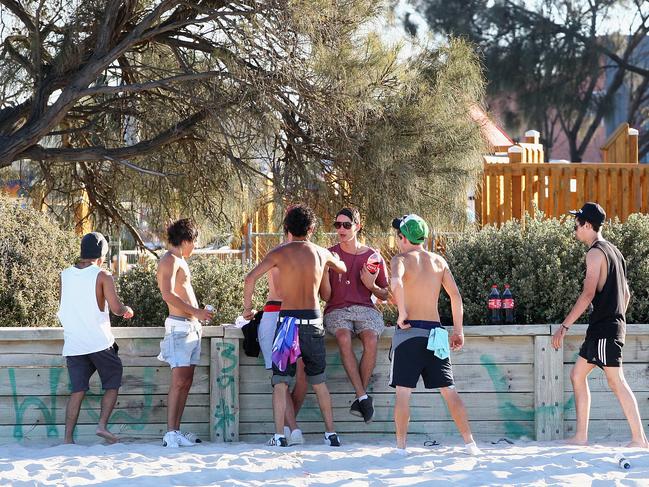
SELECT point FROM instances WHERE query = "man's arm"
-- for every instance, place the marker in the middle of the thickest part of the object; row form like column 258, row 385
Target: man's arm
column 593, row 265
column 325, row 286
column 376, row 283
column 398, row 270
column 110, row 293
column 457, row 309
column 167, row 270
column 260, row 269
column 335, row 263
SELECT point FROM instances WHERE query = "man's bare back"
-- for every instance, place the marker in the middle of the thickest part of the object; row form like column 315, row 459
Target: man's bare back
column 422, row 280
column 174, row 278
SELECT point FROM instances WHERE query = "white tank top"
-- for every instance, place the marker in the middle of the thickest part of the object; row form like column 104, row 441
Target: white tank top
column 86, row 329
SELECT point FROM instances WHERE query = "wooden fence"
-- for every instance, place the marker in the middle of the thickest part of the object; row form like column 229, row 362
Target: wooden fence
column 512, row 381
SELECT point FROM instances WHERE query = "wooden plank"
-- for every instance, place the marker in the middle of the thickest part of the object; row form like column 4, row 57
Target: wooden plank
column 490, row 377
column 591, row 186
column 613, row 207
column 635, row 197
column 581, row 188
column 508, row 349
column 548, row 390
column 542, row 188
column 224, row 389
column 601, row 196
column 510, row 198
column 636, row 375
column 442, row 428
column 645, row 189
column 555, row 191
column 423, row 407
column 564, row 191
column 48, row 360
column 625, row 194
column 56, row 332
column 85, row 433
column 604, row 405
column 54, row 381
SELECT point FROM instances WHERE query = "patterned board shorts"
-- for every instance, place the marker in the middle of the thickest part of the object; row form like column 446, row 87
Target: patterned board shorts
column 354, row 318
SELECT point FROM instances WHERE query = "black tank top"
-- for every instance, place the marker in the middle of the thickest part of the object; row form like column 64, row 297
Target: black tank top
column 607, row 319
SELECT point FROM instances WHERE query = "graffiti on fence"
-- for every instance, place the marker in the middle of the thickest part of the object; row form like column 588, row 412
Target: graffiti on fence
column 225, row 410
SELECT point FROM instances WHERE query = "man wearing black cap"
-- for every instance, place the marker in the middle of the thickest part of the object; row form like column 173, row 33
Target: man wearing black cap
column 606, row 287
column 89, row 345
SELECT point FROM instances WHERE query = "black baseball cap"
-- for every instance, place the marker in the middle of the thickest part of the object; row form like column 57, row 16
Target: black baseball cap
column 591, row 212
column 93, row 246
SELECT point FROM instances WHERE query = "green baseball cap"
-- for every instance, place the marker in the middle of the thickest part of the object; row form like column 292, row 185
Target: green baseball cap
column 413, row 227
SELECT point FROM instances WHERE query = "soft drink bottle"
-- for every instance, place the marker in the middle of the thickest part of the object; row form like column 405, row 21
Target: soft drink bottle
column 508, row 305
column 373, row 262
column 495, row 305
column 622, row 462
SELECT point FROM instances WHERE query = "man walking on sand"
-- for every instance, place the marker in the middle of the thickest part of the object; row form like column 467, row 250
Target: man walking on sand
column 87, row 292
column 420, row 344
column 301, row 265
column 605, row 285
column 181, row 347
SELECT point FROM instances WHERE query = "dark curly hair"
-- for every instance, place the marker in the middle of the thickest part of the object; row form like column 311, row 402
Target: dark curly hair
column 298, row 220
column 183, row 230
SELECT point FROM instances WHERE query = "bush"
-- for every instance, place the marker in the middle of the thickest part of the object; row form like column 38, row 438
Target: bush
column 33, row 251
column 215, row 282
column 545, row 266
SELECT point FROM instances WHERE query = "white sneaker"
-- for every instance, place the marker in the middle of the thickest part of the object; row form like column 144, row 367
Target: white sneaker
column 287, row 432
column 472, row 449
column 277, row 440
column 191, row 436
column 183, row 440
column 170, row 439
column 295, row 438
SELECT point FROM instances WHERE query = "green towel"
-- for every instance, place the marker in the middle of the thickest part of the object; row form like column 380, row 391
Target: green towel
column 438, row 343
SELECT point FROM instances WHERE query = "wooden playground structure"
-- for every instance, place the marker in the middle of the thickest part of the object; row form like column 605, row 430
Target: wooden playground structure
column 520, row 180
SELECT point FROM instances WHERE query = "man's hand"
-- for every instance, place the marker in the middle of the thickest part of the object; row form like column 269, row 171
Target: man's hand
column 128, row 314
column 557, row 338
column 456, row 341
column 400, row 322
column 248, row 315
column 368, row 279
column 203, row 315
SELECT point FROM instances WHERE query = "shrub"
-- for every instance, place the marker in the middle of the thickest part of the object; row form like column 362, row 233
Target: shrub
column 33, row 251
column 545, row 266
column 215, row 282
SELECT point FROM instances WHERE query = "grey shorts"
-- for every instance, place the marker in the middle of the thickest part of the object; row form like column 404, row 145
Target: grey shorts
column 266, row 336
column 355, row 319
column 181, row 346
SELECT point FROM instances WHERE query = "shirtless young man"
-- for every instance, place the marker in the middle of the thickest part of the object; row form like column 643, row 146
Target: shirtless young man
column 266, row 336
column 417, row 277
column 605, row 285
column 301, row 265
column 181, row 347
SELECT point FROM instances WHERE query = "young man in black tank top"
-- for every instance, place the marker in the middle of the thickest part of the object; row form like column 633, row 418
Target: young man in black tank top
column 606, row 287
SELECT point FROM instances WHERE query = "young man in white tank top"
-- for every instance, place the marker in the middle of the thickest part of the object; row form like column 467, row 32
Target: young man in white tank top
column 181, row 347
column 89, row 345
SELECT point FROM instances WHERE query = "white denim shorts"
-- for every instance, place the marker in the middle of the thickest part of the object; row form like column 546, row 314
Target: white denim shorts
column 181, row 346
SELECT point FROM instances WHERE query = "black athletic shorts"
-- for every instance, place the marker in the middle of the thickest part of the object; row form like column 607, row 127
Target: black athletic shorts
column 411, row 359
column 312, row 347
column 603, row 352
column 106, row 362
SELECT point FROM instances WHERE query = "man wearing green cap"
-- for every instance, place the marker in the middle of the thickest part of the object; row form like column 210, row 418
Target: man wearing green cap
column 420, row 344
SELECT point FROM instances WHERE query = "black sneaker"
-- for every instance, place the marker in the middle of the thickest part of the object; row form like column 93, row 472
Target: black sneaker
column 367, row 409
column 355, row 409
column 274, row 441
column 332, row 440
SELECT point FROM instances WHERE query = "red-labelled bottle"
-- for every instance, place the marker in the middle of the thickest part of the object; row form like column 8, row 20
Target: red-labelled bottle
column 373, row 262
column 494, row 305
column 508, row 305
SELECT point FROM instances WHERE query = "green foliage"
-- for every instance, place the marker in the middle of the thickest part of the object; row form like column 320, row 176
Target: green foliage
column 215, row 282
column 33, row 251
column 545, row 266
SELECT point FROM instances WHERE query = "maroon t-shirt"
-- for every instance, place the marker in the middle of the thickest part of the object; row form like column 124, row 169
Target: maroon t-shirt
column 354, row 293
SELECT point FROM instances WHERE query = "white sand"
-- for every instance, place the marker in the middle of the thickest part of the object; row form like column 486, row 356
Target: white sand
column 148, row 464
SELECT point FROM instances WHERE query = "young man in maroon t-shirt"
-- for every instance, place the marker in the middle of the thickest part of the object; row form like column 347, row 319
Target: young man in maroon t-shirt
column 350, row 310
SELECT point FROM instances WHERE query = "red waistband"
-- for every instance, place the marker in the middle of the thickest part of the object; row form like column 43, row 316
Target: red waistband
column 272, row 306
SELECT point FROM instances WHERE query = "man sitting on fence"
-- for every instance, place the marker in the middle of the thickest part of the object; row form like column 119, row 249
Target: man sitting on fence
column 181, row 347
column 301, row 265
column 420, row 344
column 605, row 285
column 87, row 292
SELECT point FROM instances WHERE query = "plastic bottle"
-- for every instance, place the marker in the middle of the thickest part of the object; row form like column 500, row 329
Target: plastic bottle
column 622, row 462
column 508, row 305
column 494, row 304
column 373, row 262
